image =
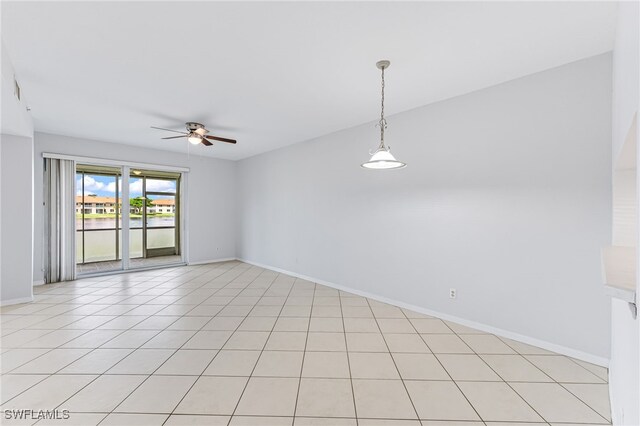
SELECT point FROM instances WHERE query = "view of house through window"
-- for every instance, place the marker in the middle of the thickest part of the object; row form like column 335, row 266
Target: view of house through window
column 153, row 218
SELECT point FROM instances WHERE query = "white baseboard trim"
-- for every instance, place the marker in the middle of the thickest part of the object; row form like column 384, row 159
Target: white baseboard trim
column 204, row 262
column 574, row 353
column 16, row 301
column 37, row 283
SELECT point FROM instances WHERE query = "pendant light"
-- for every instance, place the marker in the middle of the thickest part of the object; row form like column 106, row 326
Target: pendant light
column 382, row 159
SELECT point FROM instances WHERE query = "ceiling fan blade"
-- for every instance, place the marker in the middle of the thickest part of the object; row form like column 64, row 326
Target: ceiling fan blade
column 169, row 130
column 175, row 137
column 206, row 142
column 217, row 138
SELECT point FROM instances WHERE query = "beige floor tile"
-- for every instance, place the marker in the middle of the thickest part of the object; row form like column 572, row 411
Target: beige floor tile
column 395, row 325
column 260, row 421
column 115, row 419
column 122, row 323
column 21, row 337
column 188, row 314
column 326, row 324
column 430, row 326
column 187, row 362
column 53, row 339
column 14, row 358
column 326, row 311
column 233, row 363
column 279, row 364
column 213, row 395
column 325, row 398
column 361, row 325
column 462, row 329
column 51, row 361
column 356, row 312
column 326, row 365
column 141, row 361
column 197, row 420
column 265, row 311
column 208, row 339
column 599, row 371
column 498, row 402
column 411, row 343
column 387, row 399
column 92, row 339
column 223, row 323
column 348, row 299
column 292, row 324
column 556, row 404
column 524, row 349
column 486, row 344
column 366, row 365
column 286, row 341
column 562, row 369
column 50, row 392
column 419, row 367
column 269, row 397
column 296, row 311
column 326, row 342
column 169, row 339
column 103, row 394
column 75, row 419
column 159, row 394
column 446, row 344
column 440, row 400
column 130, row 339
column 515, row 368
column 13, row 385
column 595, row 396
column 257, row 324
column 189, row 323
column 386, row 311
column 366, row 342
column 467, row 367
column 247, row 340
column 211, row 310
column 413, row 314
column 323, row 421
column 96, row 362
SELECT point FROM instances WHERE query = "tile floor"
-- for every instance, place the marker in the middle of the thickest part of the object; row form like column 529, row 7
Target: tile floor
column 234, row 344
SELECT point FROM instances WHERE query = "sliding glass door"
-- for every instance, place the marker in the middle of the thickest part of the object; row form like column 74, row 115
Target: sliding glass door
column 97, row 218
column 153, row 220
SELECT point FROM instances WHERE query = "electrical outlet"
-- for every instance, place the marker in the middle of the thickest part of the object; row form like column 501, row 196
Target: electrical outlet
column 452, row 293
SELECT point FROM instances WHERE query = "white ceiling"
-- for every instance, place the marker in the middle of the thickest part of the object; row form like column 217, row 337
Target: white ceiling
column 273, row 74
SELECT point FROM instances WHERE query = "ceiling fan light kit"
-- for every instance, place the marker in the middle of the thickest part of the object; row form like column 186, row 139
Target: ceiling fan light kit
column 196, row 134
column 381, row 158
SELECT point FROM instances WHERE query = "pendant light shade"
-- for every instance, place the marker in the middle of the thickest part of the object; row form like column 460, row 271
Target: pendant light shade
column 382, row 159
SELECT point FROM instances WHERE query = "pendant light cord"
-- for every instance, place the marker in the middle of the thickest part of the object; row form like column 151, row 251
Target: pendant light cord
column 383, row 122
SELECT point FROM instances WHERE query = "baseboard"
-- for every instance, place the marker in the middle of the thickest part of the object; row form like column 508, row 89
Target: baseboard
column 204, row 262
column 574, row 353
column 16, row 301
column 37, row 283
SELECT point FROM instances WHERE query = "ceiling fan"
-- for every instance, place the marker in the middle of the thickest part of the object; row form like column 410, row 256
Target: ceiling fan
column 196, row 134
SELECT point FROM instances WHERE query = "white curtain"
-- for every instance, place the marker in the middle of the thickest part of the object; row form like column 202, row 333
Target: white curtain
column 60, row 226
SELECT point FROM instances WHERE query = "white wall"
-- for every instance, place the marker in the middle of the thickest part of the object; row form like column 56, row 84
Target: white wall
column 211, row 193
column 16, row 183
column 624, row 373
column 16, row 169
column 506, row 197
